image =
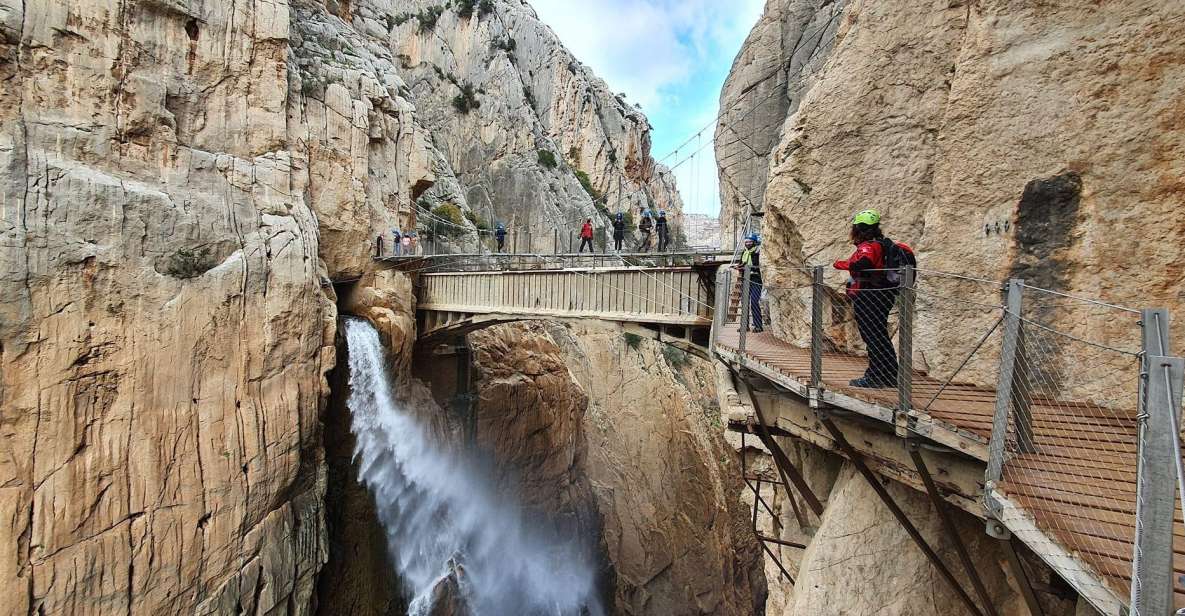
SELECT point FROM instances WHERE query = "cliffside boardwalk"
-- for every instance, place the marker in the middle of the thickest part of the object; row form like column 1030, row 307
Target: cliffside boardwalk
column 1069, row 436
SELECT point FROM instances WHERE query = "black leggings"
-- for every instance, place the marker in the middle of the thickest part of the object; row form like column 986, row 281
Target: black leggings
column 617, row 243
column 585, row 241
column 872, row 307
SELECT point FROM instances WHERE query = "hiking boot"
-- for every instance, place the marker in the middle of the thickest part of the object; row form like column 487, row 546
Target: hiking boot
column 867, row 382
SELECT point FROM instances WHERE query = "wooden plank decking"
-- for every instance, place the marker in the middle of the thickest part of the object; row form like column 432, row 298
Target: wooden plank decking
column 1077, row 488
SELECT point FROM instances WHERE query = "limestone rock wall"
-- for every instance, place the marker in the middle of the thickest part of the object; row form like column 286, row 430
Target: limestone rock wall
column 163, row 328
column 623, row 439
column 1000, row 138
column 180, row 184
column 525, row 94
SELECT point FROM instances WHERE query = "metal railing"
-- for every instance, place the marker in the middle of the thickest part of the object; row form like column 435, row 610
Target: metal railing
column 1078, row 402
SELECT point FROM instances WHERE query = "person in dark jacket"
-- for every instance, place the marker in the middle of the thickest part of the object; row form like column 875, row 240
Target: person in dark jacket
column 752, row 257
column 644, row 228
column 663, row 231
column 586, row 236
column 618, row 231
column 500, row 236
column 873, row 297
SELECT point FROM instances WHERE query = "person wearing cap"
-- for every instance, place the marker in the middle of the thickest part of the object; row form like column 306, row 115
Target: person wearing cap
column 618, row 231
column 752, row 257
column 873, row 290
column 500, row 236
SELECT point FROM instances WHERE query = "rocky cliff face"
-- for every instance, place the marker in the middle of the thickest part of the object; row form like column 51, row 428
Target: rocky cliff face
column 1000, row 138
column 623, row 438
column 530, row 136
column 179, row 184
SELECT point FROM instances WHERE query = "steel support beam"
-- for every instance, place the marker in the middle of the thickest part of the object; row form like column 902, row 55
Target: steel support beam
column 857, row 460
column 952, row 532
column 1016, row 565
column 786, row 469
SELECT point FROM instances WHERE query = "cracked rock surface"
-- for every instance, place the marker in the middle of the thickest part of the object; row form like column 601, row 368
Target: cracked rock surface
column 1000, row 138
column 624, row 440
column 180, row 182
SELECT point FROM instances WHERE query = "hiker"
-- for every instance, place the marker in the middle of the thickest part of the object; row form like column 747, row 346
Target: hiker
column 408, row 243
column 644, row 227
column 500, row 235
column 396, row 237
column 875, row 279
column 586, row 236
column 664, row 233
column 752, row 257
column 618, row 231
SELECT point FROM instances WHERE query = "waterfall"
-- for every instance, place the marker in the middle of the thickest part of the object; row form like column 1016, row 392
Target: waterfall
column 446, row 524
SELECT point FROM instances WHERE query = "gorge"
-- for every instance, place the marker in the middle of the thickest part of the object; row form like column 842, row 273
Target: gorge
column 214, row 399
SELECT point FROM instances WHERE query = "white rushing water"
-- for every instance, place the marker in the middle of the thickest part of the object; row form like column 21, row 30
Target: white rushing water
column 441, row 514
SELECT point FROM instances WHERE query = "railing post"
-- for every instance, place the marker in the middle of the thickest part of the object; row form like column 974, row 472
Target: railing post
column 744, row 309
column 720, row 312
column 555, row 249
column 906, row 301
column 1004, row 389
column 817, row 291
column 1160, row 395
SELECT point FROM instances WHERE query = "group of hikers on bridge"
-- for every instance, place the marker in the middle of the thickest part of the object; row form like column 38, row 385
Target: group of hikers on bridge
column 875, row 278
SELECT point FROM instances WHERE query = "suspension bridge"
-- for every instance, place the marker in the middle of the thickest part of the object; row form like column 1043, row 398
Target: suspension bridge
column 1052, row 417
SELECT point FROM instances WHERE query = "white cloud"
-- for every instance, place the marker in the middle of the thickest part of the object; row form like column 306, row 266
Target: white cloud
column 644, row 47
column 668, row 55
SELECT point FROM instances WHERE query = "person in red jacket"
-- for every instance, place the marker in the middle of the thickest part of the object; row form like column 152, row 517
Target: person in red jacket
column 873, row 291
column 586, row 235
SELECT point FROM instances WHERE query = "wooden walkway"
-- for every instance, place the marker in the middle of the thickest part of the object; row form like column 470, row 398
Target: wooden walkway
column 1077, row 490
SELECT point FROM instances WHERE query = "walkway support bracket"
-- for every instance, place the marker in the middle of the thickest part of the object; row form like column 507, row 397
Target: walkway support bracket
column 786, row 468
column 857, row 460
column 1007, row 543
column 948, row 524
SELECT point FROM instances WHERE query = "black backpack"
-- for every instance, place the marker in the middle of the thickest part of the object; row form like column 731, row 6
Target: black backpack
column 896, row 257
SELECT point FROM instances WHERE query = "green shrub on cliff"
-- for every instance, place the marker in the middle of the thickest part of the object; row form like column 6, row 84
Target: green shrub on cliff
column 547, row 159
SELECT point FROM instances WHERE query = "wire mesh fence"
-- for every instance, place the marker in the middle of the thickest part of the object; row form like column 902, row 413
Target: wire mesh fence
column 1062, row 372
column 1070, row 450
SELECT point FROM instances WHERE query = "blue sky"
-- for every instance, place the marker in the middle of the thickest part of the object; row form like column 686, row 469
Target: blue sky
column 672, row 57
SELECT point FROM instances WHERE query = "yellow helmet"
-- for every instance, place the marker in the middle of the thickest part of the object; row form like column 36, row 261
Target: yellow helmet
column 867, row 217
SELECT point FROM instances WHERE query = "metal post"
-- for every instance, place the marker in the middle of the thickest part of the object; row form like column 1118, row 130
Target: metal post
column 906, row 300
column 744, row 309
column 435, row 237
column 1004, row 388
column 817, row 290
column 514, row 243
column 1152, row 558
column 720, row 311
column 555, row 249
column 570, row 241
